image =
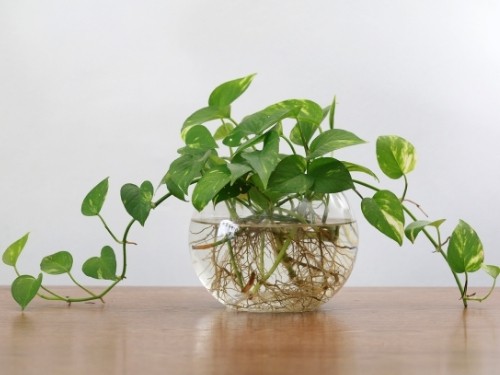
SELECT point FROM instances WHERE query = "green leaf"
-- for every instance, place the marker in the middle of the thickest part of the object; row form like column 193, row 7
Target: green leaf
column 395, row 155
column 237, row 170
column 332, row 140
column 199, row 137
column 259, row 122
column 231, row 191
column 137, row 200
column 264, row 162
column 302, row 132
column 250, row 144
column 204, row 115
column 223, row 131
column 414, row 228
column 465, row 250
column 331, row 117
column 209, row 185
column 57, row 263
column 351, row 167
column 183, row 171
column 93, row 202
column 305, row 111
column 24, row 289
column 330, row 176
column 259, row 200
column 491, row 270
column 256, row 124
column 289, row 177
column 11, row 254
column 103, row 267
column 385, row 212
column 226, row 93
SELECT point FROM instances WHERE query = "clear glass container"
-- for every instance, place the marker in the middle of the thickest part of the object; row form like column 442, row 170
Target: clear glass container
column 293, row 258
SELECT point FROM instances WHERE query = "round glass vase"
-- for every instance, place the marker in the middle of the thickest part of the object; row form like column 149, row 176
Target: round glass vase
column 294, row 258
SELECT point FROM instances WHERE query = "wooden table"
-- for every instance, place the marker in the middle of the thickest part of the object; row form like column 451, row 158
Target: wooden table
column 184, row 331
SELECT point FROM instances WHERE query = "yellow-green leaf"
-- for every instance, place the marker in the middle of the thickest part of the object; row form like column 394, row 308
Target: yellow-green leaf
column 11, row 254
column 395, row 155
column 209, row 185
column 465, row 250
column 57, row 263
column 332, row 140
column 24, row 289
column 103, row 267
column 385, row 212
column 93, row 202
column 414, row 228
column 226, row 93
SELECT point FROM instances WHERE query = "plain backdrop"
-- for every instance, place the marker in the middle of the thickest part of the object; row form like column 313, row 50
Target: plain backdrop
column 91, row 89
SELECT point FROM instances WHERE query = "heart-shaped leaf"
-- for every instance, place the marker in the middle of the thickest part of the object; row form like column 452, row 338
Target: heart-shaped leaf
column 385, row 212
column 137, row 200
column 237, row 170
column 231, row 191
column 413, row 229
column 57, row 263
column 204, row 115
column 465, row 250
column 209, row 185
column 330, row 176
column 11, row 254
column 183, row 171
column 199, row 137
column 289, row 177
column 24, row 289
column 103, row 267
column 491, row 270
column 332, row 140
column 351, row 167
column 395, row 155
column 305, row 111
column 223, row 131
column 226, row 93
column 256, row 124
column 93, row 202
column 302, row 132
column 263, row 162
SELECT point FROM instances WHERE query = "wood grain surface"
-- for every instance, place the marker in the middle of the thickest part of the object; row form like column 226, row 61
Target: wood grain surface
column 184, row 331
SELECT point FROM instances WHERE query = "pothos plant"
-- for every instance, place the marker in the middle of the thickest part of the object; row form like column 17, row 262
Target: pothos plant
column 268, row 158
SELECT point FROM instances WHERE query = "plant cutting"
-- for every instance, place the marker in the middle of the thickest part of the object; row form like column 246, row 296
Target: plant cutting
column 272, row 230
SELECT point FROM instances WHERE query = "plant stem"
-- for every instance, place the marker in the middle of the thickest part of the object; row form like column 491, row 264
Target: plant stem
column 211, row 244
column 84, row 299
column 82, row 287
column 124, row 248
column 56, row 296
column 108, row 229
column 405, row 189
column 481, row 299
column 275, row 265
column 93, row 296
column 438, row 248
column 161, row 200
column 290, row 144
column 429, row 237
column 234, row 265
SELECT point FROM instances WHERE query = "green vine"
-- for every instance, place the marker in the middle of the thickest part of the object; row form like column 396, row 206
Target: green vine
column 254, row 172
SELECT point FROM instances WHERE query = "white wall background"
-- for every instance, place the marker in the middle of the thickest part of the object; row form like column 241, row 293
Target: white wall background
column 90, row 89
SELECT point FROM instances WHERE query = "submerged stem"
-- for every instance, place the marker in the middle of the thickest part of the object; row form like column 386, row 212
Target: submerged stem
column 275, row 265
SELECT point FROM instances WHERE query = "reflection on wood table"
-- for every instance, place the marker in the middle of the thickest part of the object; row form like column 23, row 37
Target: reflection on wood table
column 171, row 330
